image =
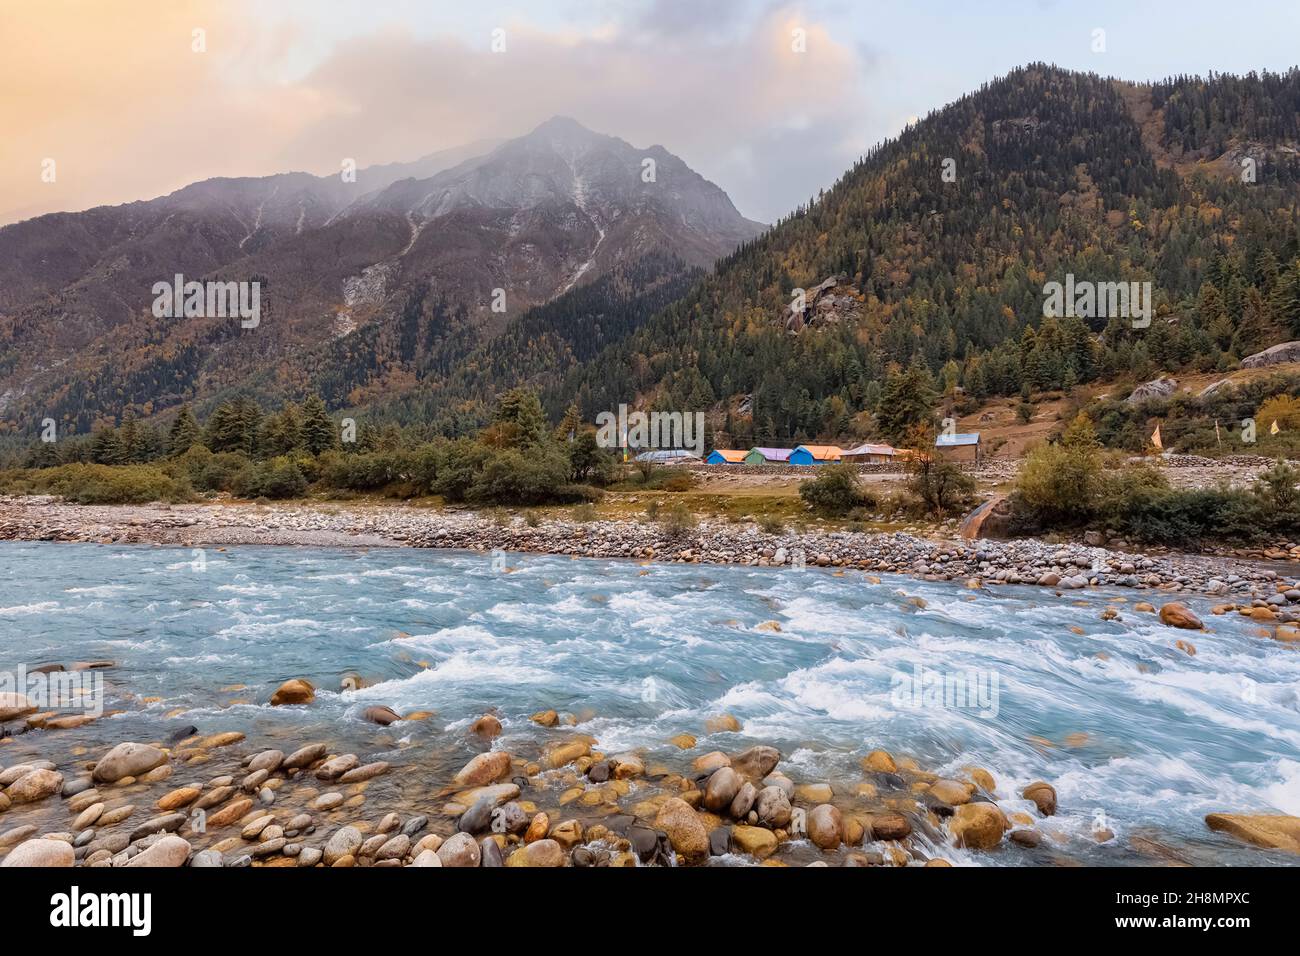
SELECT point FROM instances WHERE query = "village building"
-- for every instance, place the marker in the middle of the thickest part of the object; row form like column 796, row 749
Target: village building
column 960, row 447
column 871, row 454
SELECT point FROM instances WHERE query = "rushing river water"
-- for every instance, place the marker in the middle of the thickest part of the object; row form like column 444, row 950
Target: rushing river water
column 1137, row 736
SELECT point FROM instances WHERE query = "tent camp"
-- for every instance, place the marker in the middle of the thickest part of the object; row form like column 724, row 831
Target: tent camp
column 815, row 455
column 869, row 454
column 768, row 456
column 725, row 456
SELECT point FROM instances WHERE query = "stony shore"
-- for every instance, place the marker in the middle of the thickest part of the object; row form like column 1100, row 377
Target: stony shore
column 988, row 562
column 213, row 800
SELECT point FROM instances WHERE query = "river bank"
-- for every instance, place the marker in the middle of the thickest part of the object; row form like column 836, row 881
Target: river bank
column 987, row 562
column 548, row 711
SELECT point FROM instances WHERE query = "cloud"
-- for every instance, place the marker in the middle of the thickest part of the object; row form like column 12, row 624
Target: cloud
column 129, row 111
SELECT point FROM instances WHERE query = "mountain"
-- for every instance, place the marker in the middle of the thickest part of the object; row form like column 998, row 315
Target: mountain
column 536, row 217
column 1049, row 173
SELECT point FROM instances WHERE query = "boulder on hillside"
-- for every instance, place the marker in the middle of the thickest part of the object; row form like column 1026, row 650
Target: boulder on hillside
column 1273, row 355
column 1161, row 387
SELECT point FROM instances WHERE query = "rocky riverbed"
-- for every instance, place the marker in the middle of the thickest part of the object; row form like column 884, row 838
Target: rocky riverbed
column 220, row 800
column 985, row 562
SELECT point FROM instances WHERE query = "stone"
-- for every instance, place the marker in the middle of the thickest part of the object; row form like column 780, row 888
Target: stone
column 336, row 767
column 546, row 718
column 756, row 762
column 483, row 769
column 486, row 726
column 128, row 760
column 683, row 741
column 537, row 828
column 979, row 826
column 888, row 826
column 460, row 850
column 1043, row 795
column 543, row 853
column 724, row 723
column 304, row 757
column 744, row 800
column 566, row 752
column 686, row 831
column 567, row 833
column 710, row 761
column 365, row 772
column 826, row 826
column 295, row 691
column 207, row 859
column 268, row 760
column 490, row 853
column 1161, row 387
column 181, row 797
column 310, row 856
column 344, row 842
column 1278, row 354
column 773, row 807
column 879, row 761
column 427, row 858
column 758, row 842
column 1272, row 831
column 171, row 851
column 627, row 766
column 952, row 792
column 230, row 813
column 1175, row 615
column 381, row 715
column 35, row 785
column 721, row 789
column 41, row 853
column 14, row 706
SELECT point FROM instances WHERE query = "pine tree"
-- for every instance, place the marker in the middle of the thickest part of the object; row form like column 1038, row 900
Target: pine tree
column 317, row 426
column 184, row 433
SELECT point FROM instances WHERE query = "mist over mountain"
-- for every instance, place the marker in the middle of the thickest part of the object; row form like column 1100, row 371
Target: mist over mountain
column 480, row 235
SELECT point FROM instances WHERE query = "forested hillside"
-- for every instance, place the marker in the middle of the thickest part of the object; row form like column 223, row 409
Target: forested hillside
column 1055, row 172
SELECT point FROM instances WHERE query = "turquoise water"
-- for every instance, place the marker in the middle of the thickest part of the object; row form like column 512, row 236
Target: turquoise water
column 1136, row 735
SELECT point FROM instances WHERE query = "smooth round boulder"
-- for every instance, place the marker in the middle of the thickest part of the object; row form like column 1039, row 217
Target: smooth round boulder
column 686, row 831
column 344, row 842
column 543, row 853
column 1176, row 615
column 978, row 826
column 483, row 769
column 383, row 716
column 35, row 785
column 128, row 760
column 460, row 850
column 46, row 854
column 773, row 807
column 826, row 826
column 170, row 851
column 721, row 789
column 1043, row 795
column 295, row 691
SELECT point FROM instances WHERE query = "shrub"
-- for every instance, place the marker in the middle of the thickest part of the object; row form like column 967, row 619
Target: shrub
column 1058, row 484
column 275, row 479
column 771, row 524
column 677, row 519
column 584, row 512
column 835, row 490
column 103, row 484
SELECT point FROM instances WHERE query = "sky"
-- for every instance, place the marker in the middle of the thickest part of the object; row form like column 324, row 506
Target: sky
column 109, row 102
